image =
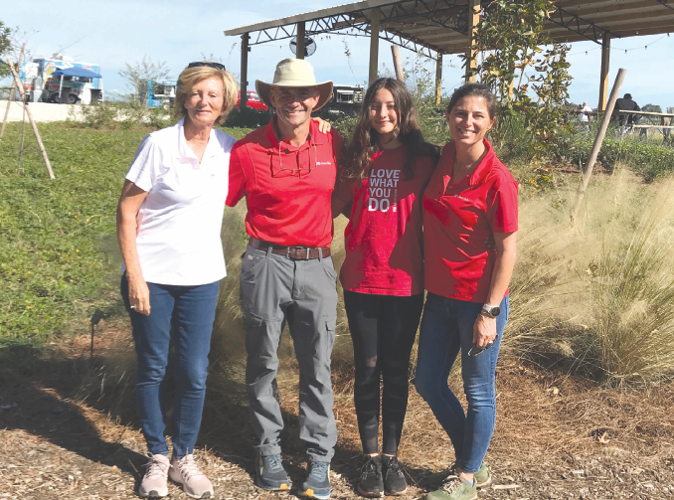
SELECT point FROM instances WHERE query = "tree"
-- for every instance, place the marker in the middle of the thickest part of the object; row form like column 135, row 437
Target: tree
column 138, row 75
column 5, row 46
column 525, row 69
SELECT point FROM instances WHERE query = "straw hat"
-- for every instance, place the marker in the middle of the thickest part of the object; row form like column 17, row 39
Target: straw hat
column 294, row 73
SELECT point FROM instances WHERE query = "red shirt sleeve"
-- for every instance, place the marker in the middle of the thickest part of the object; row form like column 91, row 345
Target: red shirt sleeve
column 237, row 177
column 502, row 206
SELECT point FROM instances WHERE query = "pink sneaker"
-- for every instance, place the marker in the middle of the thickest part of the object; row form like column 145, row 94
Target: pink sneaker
column 154, row 484
column 186, row 472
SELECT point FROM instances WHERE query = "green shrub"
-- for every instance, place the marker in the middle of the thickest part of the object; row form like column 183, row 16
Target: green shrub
column 248, row 118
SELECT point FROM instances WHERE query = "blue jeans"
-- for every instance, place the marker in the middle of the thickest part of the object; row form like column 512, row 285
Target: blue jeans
column 446, row 329
column 192, row 311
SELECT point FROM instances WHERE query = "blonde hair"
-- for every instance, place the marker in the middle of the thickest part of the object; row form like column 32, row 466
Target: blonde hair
column 191, row 76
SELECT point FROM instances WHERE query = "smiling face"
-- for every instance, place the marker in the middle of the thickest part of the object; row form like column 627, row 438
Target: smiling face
column 205, row 102
column 384, row 115
column 293, row 104
column 469, row 120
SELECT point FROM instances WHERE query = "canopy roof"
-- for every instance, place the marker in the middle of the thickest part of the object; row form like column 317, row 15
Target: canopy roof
column 442, row 26
column 81, row 72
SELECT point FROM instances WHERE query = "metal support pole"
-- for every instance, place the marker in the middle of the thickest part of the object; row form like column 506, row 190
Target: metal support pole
column 397, row 64
column 299, row 48
column 471, row 52
column 375, row 17
column 438, row 79
column 244, row 72
column 603, row 78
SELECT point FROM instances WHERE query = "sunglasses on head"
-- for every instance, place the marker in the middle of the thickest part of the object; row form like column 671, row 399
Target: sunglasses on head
column 214, row 65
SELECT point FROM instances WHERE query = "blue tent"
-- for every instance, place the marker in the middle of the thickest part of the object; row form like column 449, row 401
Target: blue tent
column 85, row 73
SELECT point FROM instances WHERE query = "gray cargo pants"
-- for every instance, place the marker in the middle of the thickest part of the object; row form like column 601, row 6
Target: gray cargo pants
column 276, row 289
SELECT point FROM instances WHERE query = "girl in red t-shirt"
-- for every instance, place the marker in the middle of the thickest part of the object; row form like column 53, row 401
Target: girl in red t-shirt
column 470, row 198
column 385, row 170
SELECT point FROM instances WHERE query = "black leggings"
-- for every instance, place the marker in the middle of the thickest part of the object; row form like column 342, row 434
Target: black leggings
column 383, row 329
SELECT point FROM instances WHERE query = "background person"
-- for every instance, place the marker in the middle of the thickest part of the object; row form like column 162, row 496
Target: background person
column 286, row 170
column 626, row 103
column 583, row 116
column 386, row 168
column 471, row 195
column 169, row 219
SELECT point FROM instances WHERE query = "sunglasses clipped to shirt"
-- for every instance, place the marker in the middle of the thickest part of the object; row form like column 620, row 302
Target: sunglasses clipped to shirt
column 210, row 64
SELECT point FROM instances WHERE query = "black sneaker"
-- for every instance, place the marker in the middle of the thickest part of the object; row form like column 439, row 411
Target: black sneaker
column 317, row 484
column 394, row 478
column 270, row 474
column 371, row 482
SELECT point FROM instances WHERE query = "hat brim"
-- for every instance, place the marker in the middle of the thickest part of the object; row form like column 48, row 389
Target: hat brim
column 324, row 89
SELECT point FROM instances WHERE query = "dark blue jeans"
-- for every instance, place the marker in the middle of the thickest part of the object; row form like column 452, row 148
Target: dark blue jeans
column 446, row 329
column 192, row 310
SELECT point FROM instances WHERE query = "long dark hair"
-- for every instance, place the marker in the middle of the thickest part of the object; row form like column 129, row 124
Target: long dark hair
column 363, row 144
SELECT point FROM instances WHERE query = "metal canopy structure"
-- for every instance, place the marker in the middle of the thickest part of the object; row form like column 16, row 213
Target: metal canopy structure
column 438, row 27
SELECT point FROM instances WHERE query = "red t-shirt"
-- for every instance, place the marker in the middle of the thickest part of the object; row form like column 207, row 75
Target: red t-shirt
column 286, row 207
column 384, row 237
column 459, row 215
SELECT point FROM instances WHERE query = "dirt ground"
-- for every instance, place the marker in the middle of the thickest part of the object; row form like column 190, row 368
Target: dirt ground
column 68, row 430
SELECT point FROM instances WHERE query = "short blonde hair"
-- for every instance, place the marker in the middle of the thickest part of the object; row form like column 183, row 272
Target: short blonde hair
column 191, row 76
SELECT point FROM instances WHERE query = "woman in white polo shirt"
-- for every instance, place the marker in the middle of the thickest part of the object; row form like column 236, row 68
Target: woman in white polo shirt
column 168, row 226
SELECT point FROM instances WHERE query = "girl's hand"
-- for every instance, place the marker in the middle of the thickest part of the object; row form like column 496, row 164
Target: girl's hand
column 139, row 296
column 323, row 126
column 484, row 330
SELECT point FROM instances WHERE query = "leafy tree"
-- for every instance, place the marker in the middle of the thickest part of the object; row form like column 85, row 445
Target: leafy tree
column 652, row 108
column 137, row 76
column 526, row 70
column 5, row 46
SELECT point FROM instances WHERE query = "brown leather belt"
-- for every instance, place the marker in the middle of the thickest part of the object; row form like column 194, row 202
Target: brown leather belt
column 292, row 252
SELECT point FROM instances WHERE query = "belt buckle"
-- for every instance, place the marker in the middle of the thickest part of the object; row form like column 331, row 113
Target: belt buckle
column 295, row 248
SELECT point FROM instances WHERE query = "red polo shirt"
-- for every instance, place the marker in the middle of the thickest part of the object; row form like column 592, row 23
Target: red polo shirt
column 459, row 215
column 384, row 237
column 288, row 204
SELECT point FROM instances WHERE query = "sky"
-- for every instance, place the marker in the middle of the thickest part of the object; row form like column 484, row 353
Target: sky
column 112, row 33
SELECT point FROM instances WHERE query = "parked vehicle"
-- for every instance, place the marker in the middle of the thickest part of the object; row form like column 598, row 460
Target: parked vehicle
column 346, row 100
column 253, row 102
column 42, row 69
column 161, row 93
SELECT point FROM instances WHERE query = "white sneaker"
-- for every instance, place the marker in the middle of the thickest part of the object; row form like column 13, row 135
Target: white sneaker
column 154, row 484
column 186, row 472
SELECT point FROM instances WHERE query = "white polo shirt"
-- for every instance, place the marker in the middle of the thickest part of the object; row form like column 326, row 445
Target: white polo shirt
column 179, row 221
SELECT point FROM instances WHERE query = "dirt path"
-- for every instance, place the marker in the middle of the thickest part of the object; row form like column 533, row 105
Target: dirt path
column 68, row 430
column 41, row 111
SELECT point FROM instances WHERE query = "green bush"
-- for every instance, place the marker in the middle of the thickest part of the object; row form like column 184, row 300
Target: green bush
column 248, row 118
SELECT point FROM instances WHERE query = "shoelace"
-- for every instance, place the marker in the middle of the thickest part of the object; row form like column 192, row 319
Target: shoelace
column 318, row 470
column 370, row 466
column 274, row 463
column 157, row 467
column 188, row 467
column 451, row 483
column 393, row 467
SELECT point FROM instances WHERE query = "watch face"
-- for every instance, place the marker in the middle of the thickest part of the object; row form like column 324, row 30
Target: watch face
column 495, row 311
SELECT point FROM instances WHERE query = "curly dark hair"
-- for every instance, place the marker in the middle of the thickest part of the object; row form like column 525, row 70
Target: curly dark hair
column 363, row 144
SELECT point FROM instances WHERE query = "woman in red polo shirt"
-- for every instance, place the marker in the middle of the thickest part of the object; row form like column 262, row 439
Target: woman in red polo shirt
column 470, row 197
column 387, row 166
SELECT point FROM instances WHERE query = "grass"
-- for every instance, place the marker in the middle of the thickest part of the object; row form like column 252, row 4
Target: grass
column 58, row 252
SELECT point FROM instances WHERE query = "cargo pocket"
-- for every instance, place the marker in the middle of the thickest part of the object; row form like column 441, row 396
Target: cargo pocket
column 330, row 327
column 251, row 262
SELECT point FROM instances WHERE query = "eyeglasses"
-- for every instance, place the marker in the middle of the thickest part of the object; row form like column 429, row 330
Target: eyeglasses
column 210, row 64
column 280, row 171
column 476, row 351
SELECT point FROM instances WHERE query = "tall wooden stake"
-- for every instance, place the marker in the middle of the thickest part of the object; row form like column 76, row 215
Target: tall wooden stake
column 397, row 64
column 299, row 41
column 244, row 72
column 471, row 54
column 30, row 117
column 438, row 79
column 597, row 142
column 11, row 93
column 375, row 18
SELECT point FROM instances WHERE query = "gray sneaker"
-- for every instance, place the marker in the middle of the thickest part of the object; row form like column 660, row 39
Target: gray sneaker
column 186, row 472
column 153, row 484
column 317, row 484
column 270, row 474
column 482, row 477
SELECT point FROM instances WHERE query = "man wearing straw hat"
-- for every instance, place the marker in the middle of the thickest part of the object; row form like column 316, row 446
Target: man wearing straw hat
column 286, row 170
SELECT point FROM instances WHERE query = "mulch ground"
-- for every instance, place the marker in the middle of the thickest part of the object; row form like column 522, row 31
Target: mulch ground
column 68, row 429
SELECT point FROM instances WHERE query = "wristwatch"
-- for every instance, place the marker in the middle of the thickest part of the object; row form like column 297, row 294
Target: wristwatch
column 490, row 311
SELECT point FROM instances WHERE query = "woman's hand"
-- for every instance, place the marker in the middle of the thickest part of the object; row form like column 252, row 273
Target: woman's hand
column 139, row 296
column 323, row 126
column 484, row 330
